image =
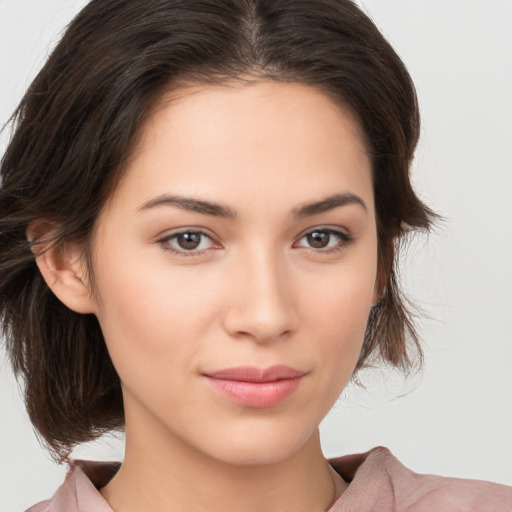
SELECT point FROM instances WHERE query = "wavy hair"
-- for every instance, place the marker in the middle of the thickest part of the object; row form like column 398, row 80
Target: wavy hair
column 79, row 119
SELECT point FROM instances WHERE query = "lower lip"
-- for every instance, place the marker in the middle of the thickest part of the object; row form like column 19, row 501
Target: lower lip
column 255, row 394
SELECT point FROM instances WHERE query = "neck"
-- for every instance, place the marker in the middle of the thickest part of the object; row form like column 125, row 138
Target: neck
column 162, row 473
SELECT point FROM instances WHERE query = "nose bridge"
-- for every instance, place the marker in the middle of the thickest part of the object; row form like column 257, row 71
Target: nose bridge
column 262, row 306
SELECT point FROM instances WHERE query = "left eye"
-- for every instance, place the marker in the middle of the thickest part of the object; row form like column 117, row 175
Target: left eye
column 324, row 239
column 187, row 242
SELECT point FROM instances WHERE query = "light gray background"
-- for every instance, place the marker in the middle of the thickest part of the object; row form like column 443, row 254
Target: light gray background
column 455, row 417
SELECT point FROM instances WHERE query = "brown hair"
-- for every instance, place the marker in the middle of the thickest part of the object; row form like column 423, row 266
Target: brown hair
column 77, row 122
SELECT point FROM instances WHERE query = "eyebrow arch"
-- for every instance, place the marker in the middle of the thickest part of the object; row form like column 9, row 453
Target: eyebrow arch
column 190, row 204
column 327, row 204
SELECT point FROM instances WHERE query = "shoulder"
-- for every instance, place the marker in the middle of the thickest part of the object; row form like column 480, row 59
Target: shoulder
column 79, row 491
column 42, row 506
column 380, row 482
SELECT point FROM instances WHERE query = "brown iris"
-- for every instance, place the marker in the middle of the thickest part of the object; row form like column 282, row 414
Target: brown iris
column 189, row 241
column 318, row 239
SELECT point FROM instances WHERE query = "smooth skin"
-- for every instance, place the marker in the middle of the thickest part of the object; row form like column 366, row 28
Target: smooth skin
column 243, row 232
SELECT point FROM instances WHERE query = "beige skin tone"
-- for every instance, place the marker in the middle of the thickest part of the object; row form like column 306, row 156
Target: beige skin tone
column 255, row 291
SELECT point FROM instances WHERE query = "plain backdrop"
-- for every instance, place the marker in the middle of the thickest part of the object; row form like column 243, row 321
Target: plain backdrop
column 455, row 418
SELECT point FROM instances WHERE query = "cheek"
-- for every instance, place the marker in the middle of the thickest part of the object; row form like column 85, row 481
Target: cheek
column 342, row 329
column 341, row 299
column 153, row 319
column 337, row 313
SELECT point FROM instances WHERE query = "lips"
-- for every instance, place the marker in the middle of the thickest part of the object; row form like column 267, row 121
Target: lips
column 254, row 387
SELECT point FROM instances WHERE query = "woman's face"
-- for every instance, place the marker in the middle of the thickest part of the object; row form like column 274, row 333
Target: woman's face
column 235, row 269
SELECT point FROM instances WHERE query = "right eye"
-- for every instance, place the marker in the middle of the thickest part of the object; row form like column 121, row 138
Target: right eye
column 187, row 243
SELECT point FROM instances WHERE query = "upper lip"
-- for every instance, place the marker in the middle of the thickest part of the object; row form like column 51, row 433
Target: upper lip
column 255, row 374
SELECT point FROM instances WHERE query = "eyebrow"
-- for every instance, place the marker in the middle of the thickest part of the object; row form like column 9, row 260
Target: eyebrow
column 328, row 204
column 192, row 204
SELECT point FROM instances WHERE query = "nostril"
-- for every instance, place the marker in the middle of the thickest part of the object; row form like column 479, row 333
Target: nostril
column 261, row 301
column 261, row 326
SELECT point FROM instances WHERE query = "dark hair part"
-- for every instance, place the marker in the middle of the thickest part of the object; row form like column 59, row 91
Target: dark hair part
column 80, row 118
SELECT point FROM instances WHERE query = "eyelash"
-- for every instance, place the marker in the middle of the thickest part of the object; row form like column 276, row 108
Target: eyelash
column 344, row 239
column 164, row 242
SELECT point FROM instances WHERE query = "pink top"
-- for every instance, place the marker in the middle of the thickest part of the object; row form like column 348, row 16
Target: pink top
column 378, row 483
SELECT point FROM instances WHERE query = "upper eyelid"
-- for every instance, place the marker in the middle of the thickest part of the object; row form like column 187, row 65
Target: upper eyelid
column 167, row 234
column 207, row 232
column 192, row 229
column 343, row 233
column 331, row 229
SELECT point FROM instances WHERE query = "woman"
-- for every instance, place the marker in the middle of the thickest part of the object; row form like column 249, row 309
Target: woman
column 200, row 208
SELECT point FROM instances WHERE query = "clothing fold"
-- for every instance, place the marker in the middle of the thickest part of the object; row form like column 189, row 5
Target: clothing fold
column 378, row 482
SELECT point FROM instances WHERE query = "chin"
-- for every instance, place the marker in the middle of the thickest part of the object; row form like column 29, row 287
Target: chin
column 261, row 448
column 257, row 456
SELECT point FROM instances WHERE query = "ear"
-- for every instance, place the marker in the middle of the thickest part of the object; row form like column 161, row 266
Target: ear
column 62, row 267
column 380, row 286
column 384, row 270
column 376, row 296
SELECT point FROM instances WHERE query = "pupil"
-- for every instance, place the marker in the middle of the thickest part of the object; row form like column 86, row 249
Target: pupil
column 189, row 240
column 318, row 240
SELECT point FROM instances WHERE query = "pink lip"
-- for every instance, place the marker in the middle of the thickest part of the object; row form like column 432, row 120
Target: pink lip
column 256, row 387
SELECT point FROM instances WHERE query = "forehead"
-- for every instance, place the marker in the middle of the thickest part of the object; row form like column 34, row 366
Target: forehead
column 233, row 140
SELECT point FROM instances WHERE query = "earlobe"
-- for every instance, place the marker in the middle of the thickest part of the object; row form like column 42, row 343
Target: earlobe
column 384, row 271
column 379, row 289
column 377, row 296
column 64, row 270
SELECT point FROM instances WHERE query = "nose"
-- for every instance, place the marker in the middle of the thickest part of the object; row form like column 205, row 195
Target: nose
column 261, row 305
